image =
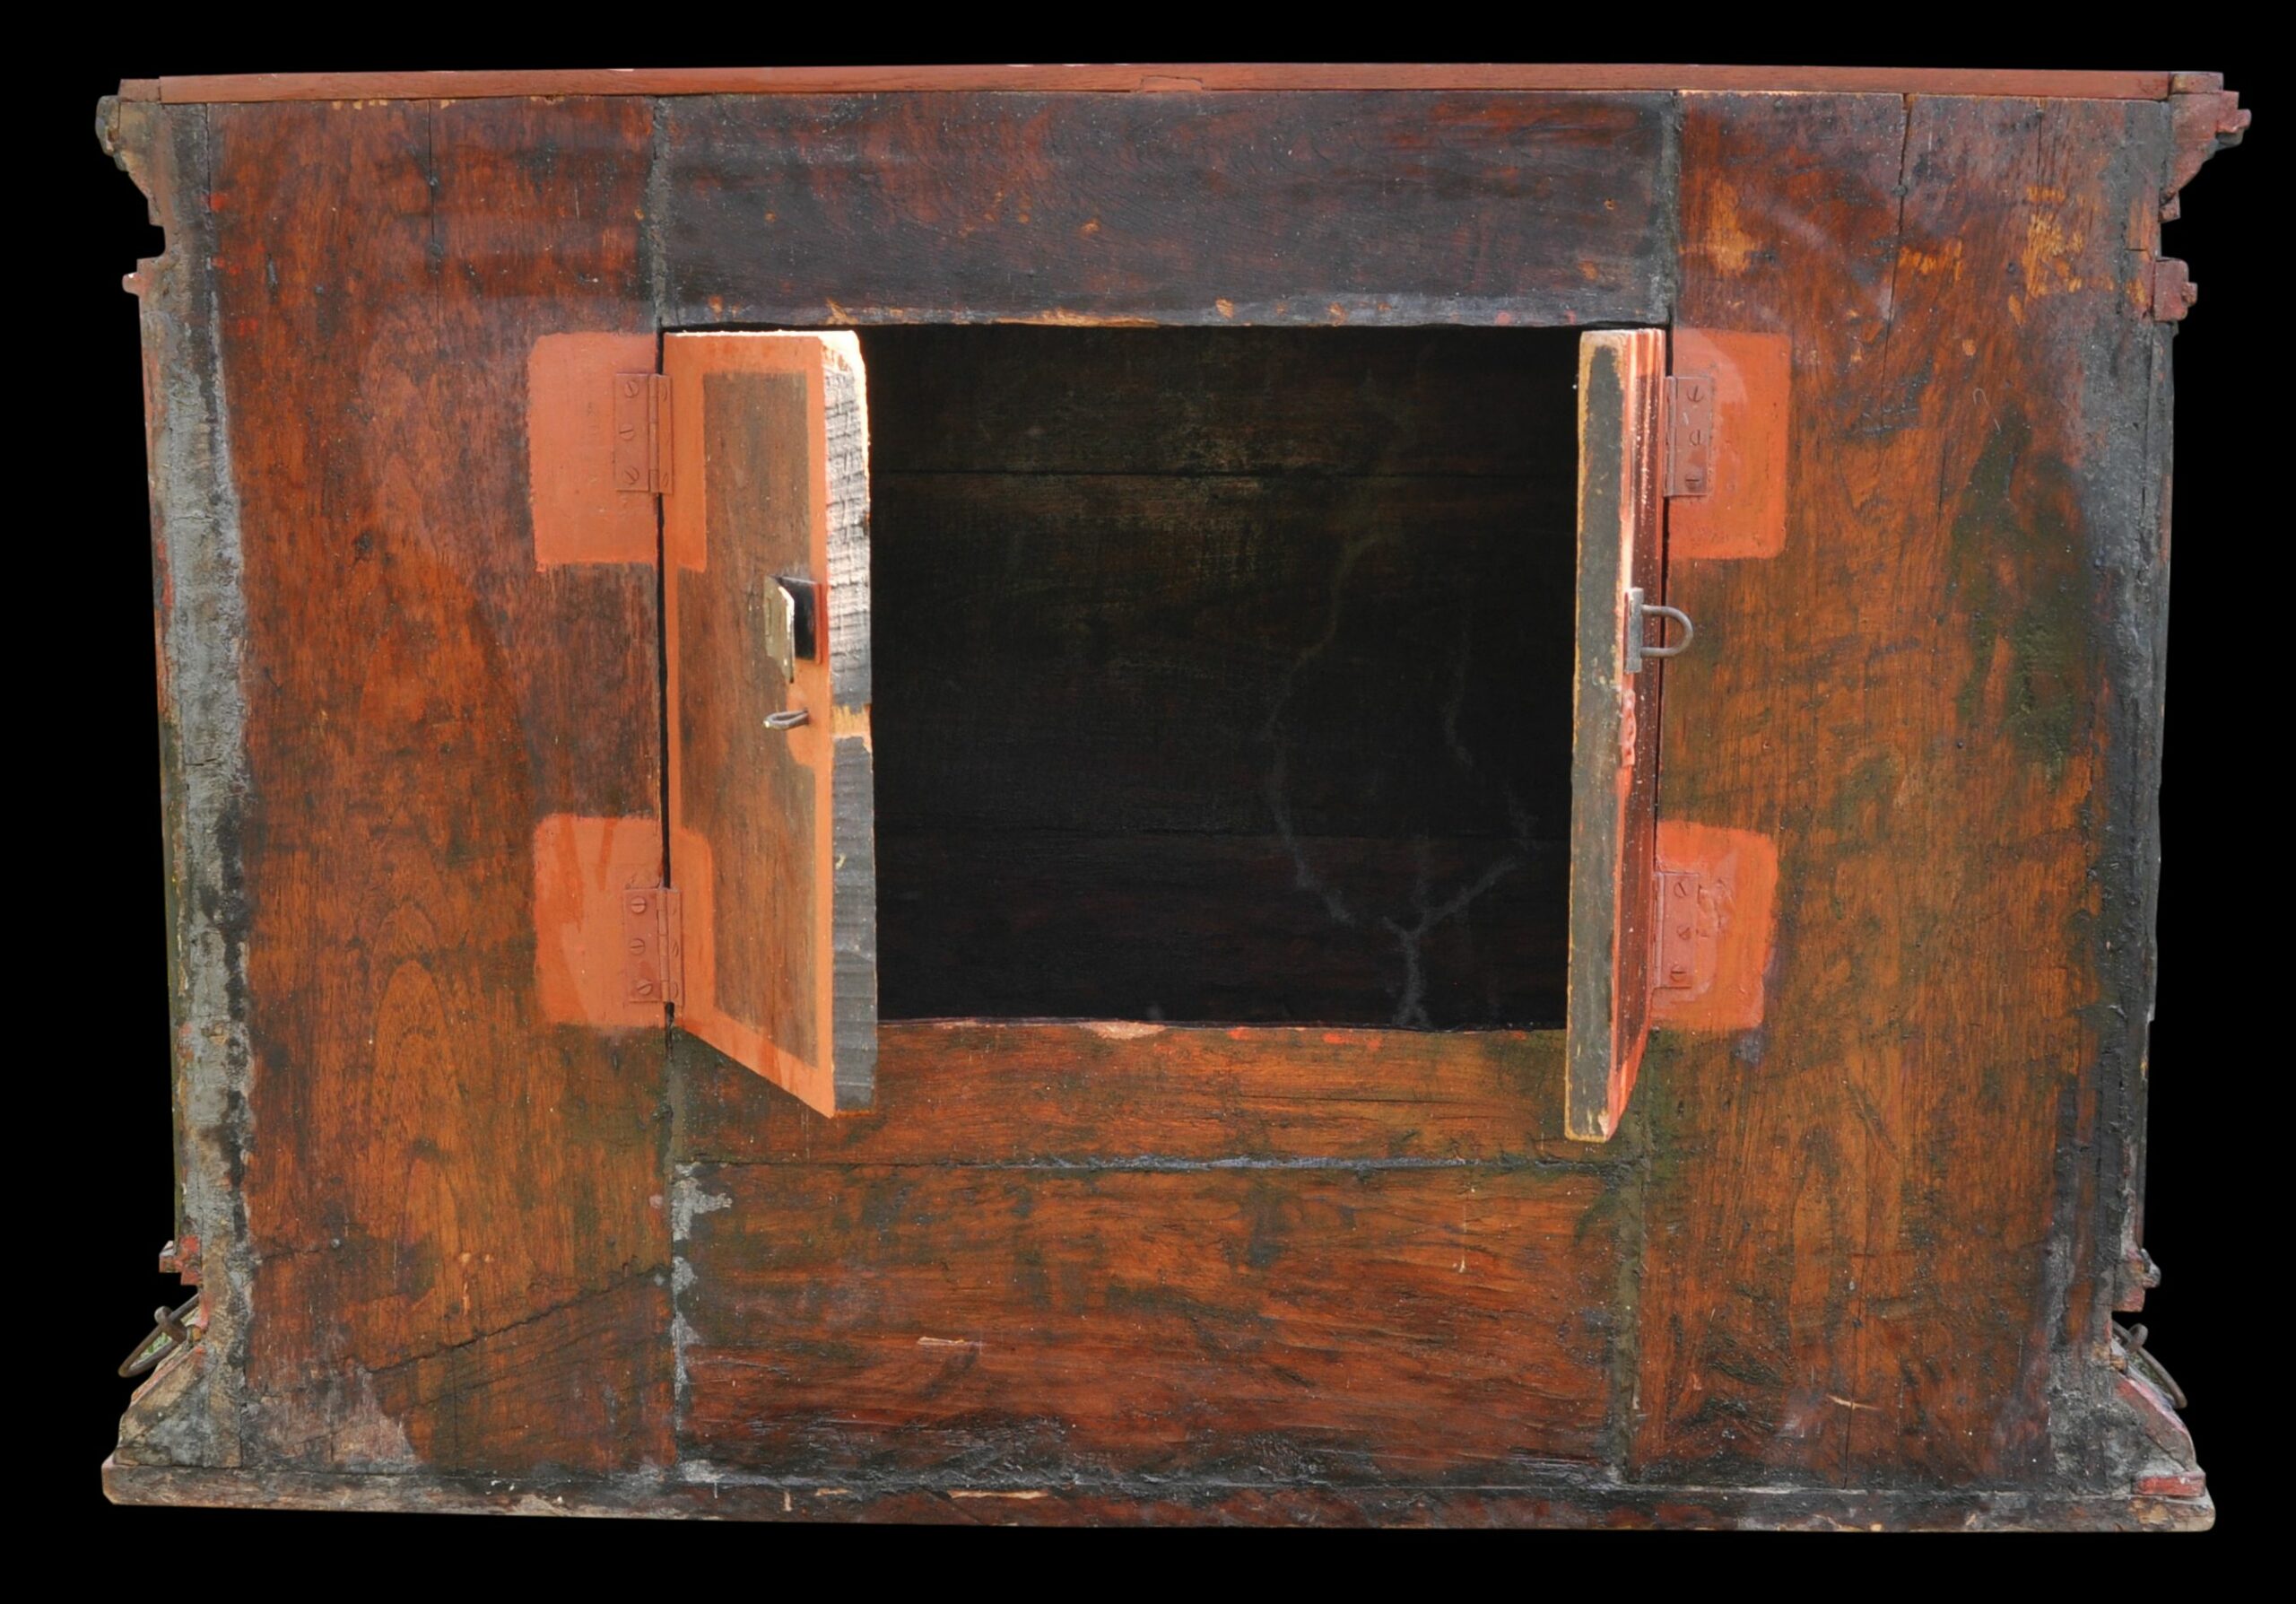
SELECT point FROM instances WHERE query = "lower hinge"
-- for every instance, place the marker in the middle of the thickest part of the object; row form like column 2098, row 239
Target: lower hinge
column 653, row 950
column 641, row 433
column 1688, row 937
column 1714, row 899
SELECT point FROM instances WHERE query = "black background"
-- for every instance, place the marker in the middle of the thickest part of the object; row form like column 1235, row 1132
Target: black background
column 92, row 1107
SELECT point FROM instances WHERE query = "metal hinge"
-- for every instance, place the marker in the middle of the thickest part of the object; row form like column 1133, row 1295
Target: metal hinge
column 1690, row 434
column 1687, row 932
column 2168, row 290
column 641, row 433
column 653, row 948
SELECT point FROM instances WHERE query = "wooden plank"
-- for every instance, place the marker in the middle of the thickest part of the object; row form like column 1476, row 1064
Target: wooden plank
column 963, row 1092
column 1614, row 745
column 771, row 829
column 1872, row 1223
column 428, row 1164
column 1439, row 932
column 1422, row 402
column 1421, row 1324
column 1246, row 208
column 1564, row 1500
column 1123, row 79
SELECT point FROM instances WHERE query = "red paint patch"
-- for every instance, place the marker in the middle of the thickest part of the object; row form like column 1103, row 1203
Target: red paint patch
column 579, row 514
column 1744, row 515
column 581, row 865
column 1736, row 874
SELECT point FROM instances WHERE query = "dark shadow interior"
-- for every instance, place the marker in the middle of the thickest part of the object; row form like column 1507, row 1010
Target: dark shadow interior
column 1223, row 674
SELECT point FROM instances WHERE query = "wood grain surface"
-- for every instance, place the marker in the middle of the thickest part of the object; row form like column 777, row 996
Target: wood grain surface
column 1869, row 1235
column 439, row 1164
column 1485, row 209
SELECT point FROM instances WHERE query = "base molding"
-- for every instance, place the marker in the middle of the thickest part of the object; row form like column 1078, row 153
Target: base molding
column 702, row 1495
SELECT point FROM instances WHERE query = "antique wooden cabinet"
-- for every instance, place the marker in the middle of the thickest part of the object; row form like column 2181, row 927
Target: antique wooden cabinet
column 971, row 794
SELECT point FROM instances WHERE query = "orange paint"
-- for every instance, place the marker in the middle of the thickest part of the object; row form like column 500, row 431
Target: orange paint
column 580, row 865
column 1737, row 907
column 1745, row 515
column 579, row 515
column 687, row 360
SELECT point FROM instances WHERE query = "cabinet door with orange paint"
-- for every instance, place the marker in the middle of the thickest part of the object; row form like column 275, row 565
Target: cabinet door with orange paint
column 766, row 593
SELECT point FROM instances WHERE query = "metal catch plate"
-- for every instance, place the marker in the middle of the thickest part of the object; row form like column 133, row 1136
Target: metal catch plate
column 653, row 965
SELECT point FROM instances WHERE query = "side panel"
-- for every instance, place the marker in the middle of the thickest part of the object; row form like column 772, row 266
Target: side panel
column 433, row 1165
column 1614, row 751
column 771, row 836
column 1872, row 1252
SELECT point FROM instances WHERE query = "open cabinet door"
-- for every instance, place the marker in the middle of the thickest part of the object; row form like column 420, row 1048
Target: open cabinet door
column 766, row 565
column 1615, row 753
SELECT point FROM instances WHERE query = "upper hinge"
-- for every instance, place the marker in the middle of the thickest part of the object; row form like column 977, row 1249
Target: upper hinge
column 1690, row 434
column 2168, row 290
column 641, row 433
column 653, row 949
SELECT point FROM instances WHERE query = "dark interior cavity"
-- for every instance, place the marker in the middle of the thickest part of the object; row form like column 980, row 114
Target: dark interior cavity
column 1223, row 675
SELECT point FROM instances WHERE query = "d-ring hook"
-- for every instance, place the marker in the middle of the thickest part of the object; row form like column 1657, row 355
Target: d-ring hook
column 1638, row 630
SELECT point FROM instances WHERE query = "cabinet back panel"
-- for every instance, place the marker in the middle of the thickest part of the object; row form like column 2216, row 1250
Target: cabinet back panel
column 1238, row 661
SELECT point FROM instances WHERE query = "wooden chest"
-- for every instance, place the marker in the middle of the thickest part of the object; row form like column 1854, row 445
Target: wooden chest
column 1190, row 793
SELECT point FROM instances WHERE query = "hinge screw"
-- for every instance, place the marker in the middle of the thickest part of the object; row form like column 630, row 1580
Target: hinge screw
column 644, row 987
column 637, row 904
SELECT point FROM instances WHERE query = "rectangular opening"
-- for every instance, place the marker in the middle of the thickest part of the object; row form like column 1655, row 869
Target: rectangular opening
column 1223, row 675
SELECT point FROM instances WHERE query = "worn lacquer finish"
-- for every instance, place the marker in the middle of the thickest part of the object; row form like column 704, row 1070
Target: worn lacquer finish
column 771, row 835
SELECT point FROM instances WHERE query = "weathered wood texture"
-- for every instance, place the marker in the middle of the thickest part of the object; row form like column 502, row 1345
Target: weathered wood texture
column 1253, row 209
column 1615, row 724
column 1120, row 1249
column 1562, row 1501
column 1873, row 1225
column 432, row 1175
column 968, row 1092
column 1250, row 645
column 771, row 829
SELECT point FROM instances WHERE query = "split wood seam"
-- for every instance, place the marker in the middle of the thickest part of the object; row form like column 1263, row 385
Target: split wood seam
column 1128, row 79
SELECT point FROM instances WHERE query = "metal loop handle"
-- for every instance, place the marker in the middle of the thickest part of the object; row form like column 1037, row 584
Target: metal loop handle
column 1689, row 631
column 1638, row 630
column 168, row 1333
column 787, row 719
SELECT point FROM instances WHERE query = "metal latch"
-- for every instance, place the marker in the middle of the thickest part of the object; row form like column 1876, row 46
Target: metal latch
column 792, row 630
column 1639, row 614
column 653, row 953
column 1690, row 434
column 641, row 433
